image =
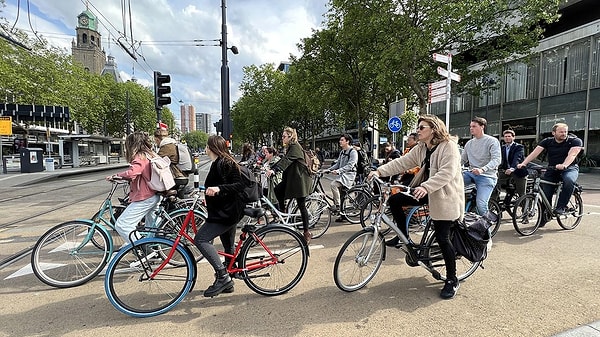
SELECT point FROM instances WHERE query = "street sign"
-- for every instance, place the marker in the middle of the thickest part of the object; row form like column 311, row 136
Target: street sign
column 442, row 58
column 398, row 107
column 437, row 92
column 446, row 73
column 395, row 124
column 6, row 126
column 439, row 98
column 438, row 84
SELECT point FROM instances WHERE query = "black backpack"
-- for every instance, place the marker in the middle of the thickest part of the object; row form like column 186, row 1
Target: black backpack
column 364, row 164
column 251, row 191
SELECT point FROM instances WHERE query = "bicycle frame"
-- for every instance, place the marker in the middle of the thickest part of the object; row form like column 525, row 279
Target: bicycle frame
column 539, row 193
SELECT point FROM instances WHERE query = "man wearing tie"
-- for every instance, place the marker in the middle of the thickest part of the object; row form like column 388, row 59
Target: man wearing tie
column 512, row 154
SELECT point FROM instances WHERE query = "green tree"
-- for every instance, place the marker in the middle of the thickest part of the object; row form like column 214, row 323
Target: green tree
column 196, row 140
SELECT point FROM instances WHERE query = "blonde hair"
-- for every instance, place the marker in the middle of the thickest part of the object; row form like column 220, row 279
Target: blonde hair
column 292, row 133
column 438, row 128
column 137, row 143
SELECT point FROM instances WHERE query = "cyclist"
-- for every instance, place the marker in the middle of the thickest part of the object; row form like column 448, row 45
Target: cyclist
column 225, row 210
column 345, row 167
column 562, row 150
column 482, row 155
column 439, row 182
column 512, row 154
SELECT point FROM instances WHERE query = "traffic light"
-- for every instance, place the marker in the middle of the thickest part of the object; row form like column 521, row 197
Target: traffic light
column 161, row 90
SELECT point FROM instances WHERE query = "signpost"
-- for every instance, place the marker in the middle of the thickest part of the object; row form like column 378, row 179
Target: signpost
column 395, row 125
column 441, row 90
column 5, row 130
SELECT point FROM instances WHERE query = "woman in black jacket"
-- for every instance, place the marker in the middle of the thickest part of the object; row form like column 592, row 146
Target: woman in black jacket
column 225, row 210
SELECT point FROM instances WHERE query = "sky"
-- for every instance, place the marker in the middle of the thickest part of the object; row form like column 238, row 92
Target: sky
column 264, row 31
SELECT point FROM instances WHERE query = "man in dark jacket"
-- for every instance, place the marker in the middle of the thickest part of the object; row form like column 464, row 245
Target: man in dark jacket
column 512, row 155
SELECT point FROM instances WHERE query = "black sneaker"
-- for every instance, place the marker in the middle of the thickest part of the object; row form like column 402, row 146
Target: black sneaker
column 450, row 289
column 559, row 211
column 393, row 242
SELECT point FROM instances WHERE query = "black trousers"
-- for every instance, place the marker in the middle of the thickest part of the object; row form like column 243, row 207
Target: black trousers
column 301, row 201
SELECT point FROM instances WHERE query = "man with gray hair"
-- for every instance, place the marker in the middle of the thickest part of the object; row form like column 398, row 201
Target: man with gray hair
column 482, row 157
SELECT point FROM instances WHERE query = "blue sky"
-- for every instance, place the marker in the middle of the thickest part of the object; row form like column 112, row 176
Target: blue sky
column 264, row 31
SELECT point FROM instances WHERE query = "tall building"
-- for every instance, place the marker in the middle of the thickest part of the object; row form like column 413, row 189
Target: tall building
column 87, row 50
column 203, row 122
column 188, row 118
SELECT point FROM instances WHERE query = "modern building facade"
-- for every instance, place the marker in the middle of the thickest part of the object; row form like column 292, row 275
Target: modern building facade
column 559, row 83
column 203, row 122
column 188, row 118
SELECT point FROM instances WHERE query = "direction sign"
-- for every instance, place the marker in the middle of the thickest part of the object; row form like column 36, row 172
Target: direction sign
column 395, row 124
column 6, row 126
column 437, row 92
column 438, row 84
column 442, row 58
column 446, row 73
column 439, row 98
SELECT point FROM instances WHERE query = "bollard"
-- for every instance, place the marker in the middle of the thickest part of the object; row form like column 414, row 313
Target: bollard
column 196, row 179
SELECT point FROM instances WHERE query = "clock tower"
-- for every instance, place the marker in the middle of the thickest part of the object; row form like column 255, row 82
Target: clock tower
column 87, row 50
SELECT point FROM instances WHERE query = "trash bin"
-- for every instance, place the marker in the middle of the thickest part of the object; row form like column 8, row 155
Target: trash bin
column 49, row 162
column 32, row 160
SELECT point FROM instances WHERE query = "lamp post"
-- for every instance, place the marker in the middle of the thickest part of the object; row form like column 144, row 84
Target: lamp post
column 225, row 108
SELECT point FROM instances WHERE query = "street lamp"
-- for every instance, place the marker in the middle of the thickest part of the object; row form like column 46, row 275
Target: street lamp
column 225, row 108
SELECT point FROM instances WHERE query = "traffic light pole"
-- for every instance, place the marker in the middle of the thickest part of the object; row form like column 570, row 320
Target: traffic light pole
column 225, row 109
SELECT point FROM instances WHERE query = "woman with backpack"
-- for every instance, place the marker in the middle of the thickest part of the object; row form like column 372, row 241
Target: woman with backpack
column 167, row 147
column 223, row 184
column 295, row 180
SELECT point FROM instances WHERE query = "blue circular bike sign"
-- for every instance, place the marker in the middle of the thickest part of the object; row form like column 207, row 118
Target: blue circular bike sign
column 395, row 124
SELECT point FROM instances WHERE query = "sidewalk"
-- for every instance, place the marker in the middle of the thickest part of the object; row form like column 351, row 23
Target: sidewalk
column 18, row 179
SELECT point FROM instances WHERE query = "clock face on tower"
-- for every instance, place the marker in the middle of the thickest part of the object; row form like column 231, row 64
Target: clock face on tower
column 83, row 20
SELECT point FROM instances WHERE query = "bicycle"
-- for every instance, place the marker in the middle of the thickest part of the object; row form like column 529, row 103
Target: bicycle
column 362, row 254
column 74, row 252
column 533, row 208
column 271, row 260
column 493, row 207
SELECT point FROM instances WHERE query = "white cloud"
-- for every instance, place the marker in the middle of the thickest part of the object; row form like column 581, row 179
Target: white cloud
column 264, row 31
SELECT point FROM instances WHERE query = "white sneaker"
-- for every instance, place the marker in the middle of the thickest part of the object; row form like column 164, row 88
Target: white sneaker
column 145, row 259
column 489, row 245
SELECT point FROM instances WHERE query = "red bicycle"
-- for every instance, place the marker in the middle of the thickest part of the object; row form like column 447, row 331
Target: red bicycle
column 152, row 275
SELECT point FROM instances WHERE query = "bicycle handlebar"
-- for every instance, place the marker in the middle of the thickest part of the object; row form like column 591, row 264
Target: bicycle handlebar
column 406, row 190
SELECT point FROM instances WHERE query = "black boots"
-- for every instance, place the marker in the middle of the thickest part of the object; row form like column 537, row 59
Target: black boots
column 223, row 283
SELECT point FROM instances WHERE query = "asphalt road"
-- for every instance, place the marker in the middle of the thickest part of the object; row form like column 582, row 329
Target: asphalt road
column 530, row 286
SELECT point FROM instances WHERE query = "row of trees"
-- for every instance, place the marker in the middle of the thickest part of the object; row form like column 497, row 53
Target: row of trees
column 47, row 75
column 372, row 52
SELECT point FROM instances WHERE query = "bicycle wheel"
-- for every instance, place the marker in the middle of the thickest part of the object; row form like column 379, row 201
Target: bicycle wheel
column 527, row 215
column 174, row 224
column 275, row 275
column 319, row 216
column 70, row 254
column 573, row 213
column 494, row 207
column 352, row 204
column 117, row 240
column 132, row 291
column 435, row 260
column 358, row 260
column 367, row 215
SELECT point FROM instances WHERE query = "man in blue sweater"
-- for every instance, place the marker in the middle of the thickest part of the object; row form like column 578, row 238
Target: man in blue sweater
column 482, row 157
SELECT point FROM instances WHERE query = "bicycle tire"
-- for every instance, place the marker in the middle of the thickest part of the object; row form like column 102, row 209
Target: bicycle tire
column 354, row 267
column 319, row 216
column 435, row 260
column 117, row 240
column 292, row 258
column 527, row 215
column 352, row 204
column 367, row 215
column 573, row 214
column 173, row 226
column 56, row 263
column 132, row 292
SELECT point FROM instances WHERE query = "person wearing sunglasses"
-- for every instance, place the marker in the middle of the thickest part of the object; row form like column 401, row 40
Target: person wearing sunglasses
column 439, row 183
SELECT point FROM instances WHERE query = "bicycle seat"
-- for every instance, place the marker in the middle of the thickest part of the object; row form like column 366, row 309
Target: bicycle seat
column 254, row 212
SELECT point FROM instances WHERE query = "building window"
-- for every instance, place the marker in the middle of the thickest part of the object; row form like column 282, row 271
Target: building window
column 521, row 80
column 565, row 69
column 596, row 63
column 84, row 38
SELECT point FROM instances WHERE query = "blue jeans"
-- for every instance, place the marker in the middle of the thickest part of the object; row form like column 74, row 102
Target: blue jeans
column 134, row 213
column 568, row 177
column 485, row 187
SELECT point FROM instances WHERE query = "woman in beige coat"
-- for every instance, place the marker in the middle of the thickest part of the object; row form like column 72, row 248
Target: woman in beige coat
column 439, row 183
